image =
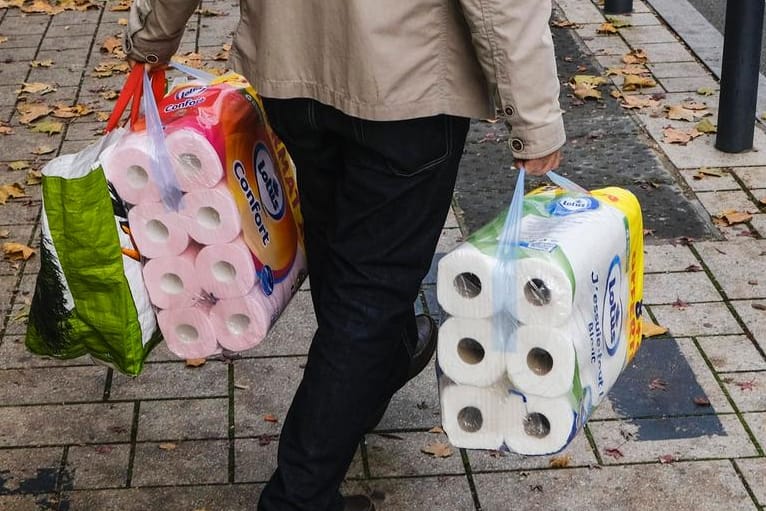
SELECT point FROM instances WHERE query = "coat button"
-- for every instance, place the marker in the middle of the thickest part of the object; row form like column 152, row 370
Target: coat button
column 509, row 111
column 151, row 58
column 517, row 145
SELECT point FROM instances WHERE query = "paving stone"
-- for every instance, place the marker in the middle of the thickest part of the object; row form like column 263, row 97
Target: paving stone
column 754, row 319
column 32, row 25
column 72, row 42
column 451, row 222
column 190, row 462
column 757, row 424
column 709, row 183
column 183, row 419
column 739, row 269
column 759, row 224
column 746, row 389
column 292, row 333
column 578, row 454
column 7, row 284
column 66, row 424
column 578, row 11
column 17, row 57
column 683, row 438
column 271, row 384
column 44, row 502
column 754, row 178
column 20, row 211
column 74, row 146
column 402, row 456
column 29, row 470
column 59, row 31
column 601, row 44
column 17, row 320
column 76, row 17
column 638, row 19
column 677, row 69
column 20, row 144
column 416, row 405
column 173, row 380
column 239, row 497
column 85, row 130
column 18, row 234
column 669, row 287
column 52, row 385
column 720, row 202
column 256, row 462
column 675, row 486
column 753, row 470
column 445, row 493
column 22, row 41
column 668, row 52
column 732, row 353
column 98, row 466
column 14, row 74
column 664, row 379
column 663, row 258
column 639, row 36
column 14, row 355
column 696, row 319
column 688, row 83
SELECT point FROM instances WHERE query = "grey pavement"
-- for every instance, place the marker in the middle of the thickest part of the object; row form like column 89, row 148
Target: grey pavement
column 683, row 429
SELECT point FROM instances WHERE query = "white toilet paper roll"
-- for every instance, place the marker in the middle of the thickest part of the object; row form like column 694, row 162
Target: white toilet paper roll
column 541, row 425
column 172, row 281
column 210, row 215
column 544, row 292
column 473, row 417
column 195, row 160
column 188, row 332
column 541, row 360
column 226, row 270
column 468, row 353
column 464, row 282
column 242, row 323
column 157, row 231
column 128, row 167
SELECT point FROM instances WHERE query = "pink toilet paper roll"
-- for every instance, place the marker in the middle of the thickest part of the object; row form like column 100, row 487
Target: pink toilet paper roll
column 226, row 270
column 157, row 231
column 210, row 215
column 172, row 281
column 195, row 160
column 128, row 167
column 242, row 323
column 188, row 332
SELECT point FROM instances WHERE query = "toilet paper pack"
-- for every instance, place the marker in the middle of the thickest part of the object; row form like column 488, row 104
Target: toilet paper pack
column 574, row 321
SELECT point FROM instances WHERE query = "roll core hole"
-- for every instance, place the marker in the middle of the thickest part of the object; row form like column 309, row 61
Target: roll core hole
column 171, row 284
column 190, row 164
column 468, row 285
column 238, row 324
column 469, row 419
column 537, row 293
column 537, row 425
column 187, row 333
column 224, row 272
column 157, row 231
column 137, row 176
column 539, row 361
column 208, row 217
column 470, row 351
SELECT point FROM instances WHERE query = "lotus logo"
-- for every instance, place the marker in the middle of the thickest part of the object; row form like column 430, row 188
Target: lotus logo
column 571, row 205
column 269, row 186
column 612, row 311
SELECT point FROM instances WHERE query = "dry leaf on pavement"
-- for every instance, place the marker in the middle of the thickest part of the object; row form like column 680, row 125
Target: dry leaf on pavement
column 666, row 458
column 672, row 135
column 192, row 59
column 438, row 450
column 63, row 111
column 637, row 101
column 34, row 177
column 43, row 149
column 636, row 56
column 705, row 171
column 563, row 24
column 586, row 91
column 17, row 251
column 4, row 233
column 36, row 88
column 209, row 13
column 651, row 329
column 18, row 165
column 11, row 191
column 560, row 461
column 41, row 63
column 632, row 69
column 167, row 446
column 436, row 430
column 195, row 362
column 32, row 111
column 706, row 126
column 619, row 22
column 706, row 91
column 5, row 129
column 679, row 113
column 269, row 417
column 3, row 39
column 606, row 28
column 223, row 53
column 633, row 82
column 733, row 217
column 49, row 127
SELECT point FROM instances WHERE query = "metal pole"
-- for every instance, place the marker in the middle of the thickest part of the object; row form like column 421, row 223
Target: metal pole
column 739, row 75
column 618, row 6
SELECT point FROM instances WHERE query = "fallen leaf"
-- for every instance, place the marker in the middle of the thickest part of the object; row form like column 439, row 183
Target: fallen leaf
column 32, row 111
column 223, row 53
column 651, row 329
column 438, row 450
column 241, row 386
column 111, row 44
column 637, row 101
column 270, row 418
column 633, row 82
column 102, row 116
column 666, row 458
column 705, row 171
column 658, row 384
column 192, row 59
column 616, row 94
column 264, row 440
column 43, row 149
column 49, row 127
column 606, row 28
column 758, row 306
column 679, row 113
column 706, row 126
column 36, row 88
column 103, row 449
column 560, row 461
column 34, row 177
column 17, row 251
column 436, row 430
column 108, row 68
column 649, row 232
column 680, row 304
column 123, row 22
column 613, row 452
column 109, row 94
column 593, row 80
column 636, row 56
column 733, row 217
column 701, row 401
column 41, row 63
column 209, row 13
column 619, row 22
column 746, row 386
column 5, row 129
column 4, row 233
column 563, row 24
column 693, row 268
column 3, row 39
column 41, row 7
column 121, row 5
column 705, row 91
column 67, row 112
column 167, row 446
column 195, row 362
column 11, row 191
column 678, row 136
column 753, row 282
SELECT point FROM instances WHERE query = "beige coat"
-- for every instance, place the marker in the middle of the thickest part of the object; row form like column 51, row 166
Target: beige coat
column 389, row 59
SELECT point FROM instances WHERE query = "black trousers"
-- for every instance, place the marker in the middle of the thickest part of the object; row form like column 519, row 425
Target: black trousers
column 374, row 196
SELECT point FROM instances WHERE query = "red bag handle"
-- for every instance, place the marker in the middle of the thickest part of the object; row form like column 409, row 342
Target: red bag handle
column 132, row 91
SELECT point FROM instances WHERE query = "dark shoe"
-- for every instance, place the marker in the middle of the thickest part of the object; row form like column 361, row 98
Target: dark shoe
column 358, row 503
column 424, row 350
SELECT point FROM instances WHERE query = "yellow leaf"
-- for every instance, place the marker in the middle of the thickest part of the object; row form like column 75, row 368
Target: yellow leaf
column 706, row 126
column 5, row 129
column 694, row 105
column 32, row 111
column 637, row 56
column 733, row 217
column 36, row 88
column 438, row 450
column 3, row 39
column 588, row 79
column 167, row 446
column 102, row 116
column 17, row 251
column 195, row 362
column 49, row 127
column 34, row 177
column 706, row 91
column 18, row 165
column 121, row 5
column 223, row 53
column 560, row 461
column 704, row 172
column 679, row 113
column 111, row 44
column 436, row 430
column 43, row 149
column 619, row 22
column 190, row 59
column 122, row 22
column 586, row 91
column 67, row 112
column 633, row 82
column 11, row 191
column 41, row 63
column 41, row 7
column 651, row 329
column 4, row 233
column 109, row 94
column 606, row 28
column 563, row 24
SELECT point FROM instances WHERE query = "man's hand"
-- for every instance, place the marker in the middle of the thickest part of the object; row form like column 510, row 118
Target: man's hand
column 540, row 166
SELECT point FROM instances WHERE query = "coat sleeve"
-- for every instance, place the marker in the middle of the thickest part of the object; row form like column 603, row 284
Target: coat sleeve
column 514, row 46
column 155, row 28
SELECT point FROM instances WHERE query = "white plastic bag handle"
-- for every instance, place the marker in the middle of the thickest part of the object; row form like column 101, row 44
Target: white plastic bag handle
column 195, row 73
column 162, row 166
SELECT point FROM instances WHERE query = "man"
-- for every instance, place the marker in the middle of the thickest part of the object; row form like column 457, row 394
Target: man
column 372, row 99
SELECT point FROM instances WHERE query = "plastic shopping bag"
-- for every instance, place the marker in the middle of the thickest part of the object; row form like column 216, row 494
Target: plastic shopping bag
column 545, row 305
